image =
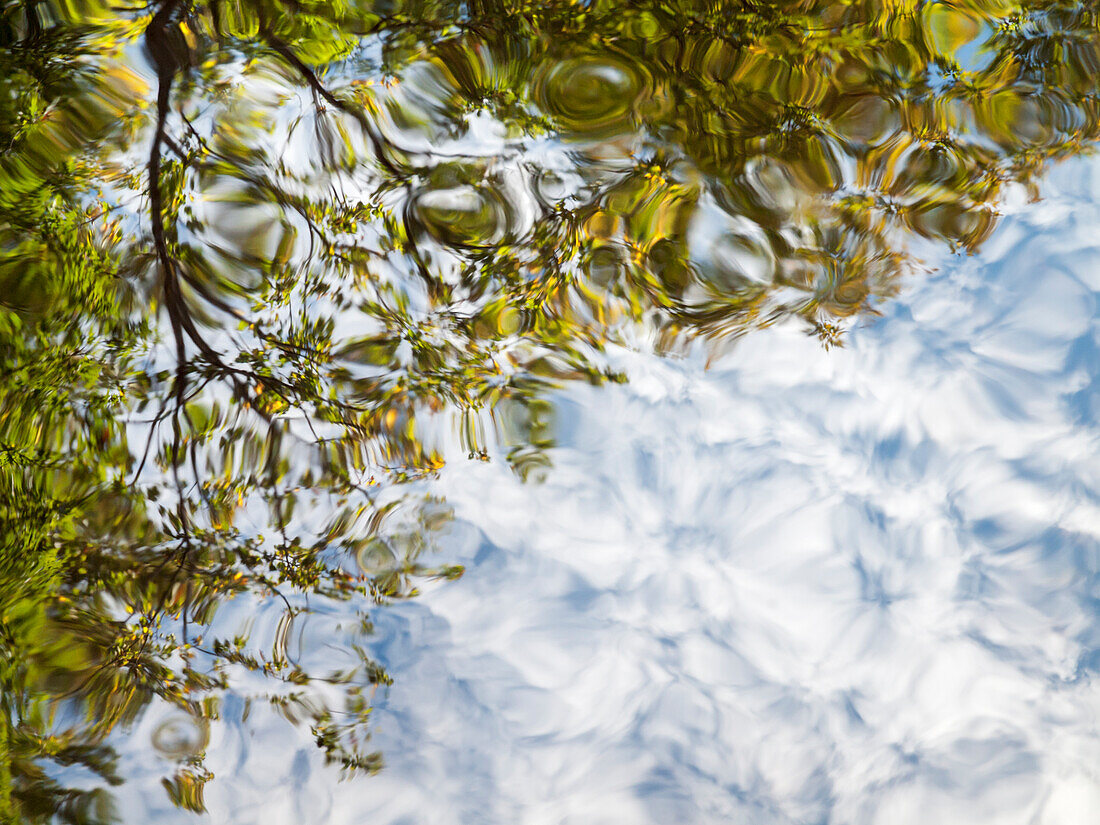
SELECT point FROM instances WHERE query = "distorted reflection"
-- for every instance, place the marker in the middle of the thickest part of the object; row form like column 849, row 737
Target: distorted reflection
column 256, row 257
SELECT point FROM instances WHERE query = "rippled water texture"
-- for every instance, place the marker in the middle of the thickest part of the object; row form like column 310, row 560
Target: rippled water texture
column 853, row 586
column 485, row 412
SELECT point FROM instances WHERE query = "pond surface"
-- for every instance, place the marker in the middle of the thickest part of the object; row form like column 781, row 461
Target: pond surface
column 550, row 413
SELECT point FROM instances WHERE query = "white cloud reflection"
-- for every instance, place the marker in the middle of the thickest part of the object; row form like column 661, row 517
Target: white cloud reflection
column 855, row 587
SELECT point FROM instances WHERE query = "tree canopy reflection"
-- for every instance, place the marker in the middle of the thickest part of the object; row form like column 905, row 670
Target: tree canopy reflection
column 251, row 254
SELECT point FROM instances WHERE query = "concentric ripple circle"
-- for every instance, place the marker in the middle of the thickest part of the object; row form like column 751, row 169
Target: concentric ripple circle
column 462, row 215
column 180, row 737
column 590, row 94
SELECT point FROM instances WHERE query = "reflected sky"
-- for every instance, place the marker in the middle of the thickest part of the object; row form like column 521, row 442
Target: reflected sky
column 854, row 586
column 798, row 587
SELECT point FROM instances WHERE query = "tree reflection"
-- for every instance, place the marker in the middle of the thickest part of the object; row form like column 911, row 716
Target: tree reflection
column 252, row 253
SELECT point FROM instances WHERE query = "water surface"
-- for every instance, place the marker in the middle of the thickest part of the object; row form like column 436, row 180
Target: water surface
column 591, row 413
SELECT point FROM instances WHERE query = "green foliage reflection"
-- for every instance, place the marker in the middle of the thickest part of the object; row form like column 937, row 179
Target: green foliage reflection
column 253, row 255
